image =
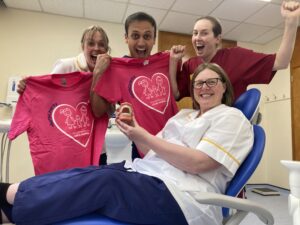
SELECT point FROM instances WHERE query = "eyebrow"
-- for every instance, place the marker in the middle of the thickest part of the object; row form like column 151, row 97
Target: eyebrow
column 136, row 31
column 208, row 79
column 205, row 29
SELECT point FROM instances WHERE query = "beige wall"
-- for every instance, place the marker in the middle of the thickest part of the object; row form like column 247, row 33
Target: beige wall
column 276, row 120
column 31, row 42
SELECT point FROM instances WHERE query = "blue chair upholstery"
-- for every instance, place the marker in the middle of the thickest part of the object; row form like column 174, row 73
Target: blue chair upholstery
column 248, row 167
column 248, row 104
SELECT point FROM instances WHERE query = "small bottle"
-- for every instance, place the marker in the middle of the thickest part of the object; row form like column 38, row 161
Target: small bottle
column 13, row 87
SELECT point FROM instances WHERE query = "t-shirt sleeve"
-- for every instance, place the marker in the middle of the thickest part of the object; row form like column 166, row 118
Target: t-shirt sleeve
column 259, row 66
column 108, row 86
column 228, row 141
column 183, row 80
column 21, row 119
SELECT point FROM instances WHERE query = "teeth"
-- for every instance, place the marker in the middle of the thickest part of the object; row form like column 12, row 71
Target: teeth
column 205, row 95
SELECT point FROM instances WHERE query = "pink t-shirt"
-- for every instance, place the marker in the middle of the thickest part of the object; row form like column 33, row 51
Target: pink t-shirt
column 56, row 113
column 243, row 67
column 145, row 84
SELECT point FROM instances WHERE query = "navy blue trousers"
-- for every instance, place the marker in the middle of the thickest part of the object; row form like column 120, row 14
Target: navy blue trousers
column 108, row 190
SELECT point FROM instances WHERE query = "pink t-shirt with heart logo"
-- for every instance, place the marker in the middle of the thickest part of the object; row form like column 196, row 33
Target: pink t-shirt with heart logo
column 56, row 113
column 145, row 84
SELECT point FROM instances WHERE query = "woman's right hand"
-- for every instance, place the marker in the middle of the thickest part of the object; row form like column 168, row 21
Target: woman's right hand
column 177, row 52
column 21, row 86
column 103, row 61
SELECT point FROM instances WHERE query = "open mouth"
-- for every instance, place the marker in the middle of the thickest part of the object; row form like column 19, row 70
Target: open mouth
column 200, row 47
column 94, row 58
column 141, row 53
column 206, row 95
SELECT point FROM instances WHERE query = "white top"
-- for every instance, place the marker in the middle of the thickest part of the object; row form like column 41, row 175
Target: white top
column 224, row 134
column 69, row 65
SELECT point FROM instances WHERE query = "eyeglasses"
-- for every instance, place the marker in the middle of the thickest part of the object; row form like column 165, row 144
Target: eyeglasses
column 211, row 82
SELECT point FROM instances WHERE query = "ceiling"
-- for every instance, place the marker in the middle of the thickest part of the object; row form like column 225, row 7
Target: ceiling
column 251, row 21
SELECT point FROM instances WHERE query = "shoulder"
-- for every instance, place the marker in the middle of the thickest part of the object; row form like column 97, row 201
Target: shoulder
column 226, row 113
column 65, row 61
column 193, row 60
column 186, row 112
column 66, row 65
column 234, row 50
column 192, row 63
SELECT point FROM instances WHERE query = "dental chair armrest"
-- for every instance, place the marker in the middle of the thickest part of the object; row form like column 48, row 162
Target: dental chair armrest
column 242, row 205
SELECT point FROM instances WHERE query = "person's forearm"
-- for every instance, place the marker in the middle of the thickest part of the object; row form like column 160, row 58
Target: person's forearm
column 99, row 105
column 142, row 147
column 184, row 158
column 285, row 51
column 173, row 80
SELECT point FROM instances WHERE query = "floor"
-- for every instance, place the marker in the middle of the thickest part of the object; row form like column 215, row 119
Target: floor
column 278, row 206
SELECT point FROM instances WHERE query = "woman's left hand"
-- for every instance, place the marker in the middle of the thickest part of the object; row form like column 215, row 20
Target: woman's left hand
column 290, row 9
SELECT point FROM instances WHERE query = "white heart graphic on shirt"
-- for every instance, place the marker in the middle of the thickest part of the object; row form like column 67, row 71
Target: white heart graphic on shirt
column 153, row 93
column 75, row 122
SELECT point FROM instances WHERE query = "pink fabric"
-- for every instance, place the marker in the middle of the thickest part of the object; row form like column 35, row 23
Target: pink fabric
column 145, row 84
column 243, row 66
column 56, row 113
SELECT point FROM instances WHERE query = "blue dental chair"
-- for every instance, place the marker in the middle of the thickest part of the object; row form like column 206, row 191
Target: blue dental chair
column 248, row 104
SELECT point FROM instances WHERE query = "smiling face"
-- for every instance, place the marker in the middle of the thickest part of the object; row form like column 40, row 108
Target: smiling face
column 204, row 41
column 93, row 45
column 208, row 97
column 140, row 38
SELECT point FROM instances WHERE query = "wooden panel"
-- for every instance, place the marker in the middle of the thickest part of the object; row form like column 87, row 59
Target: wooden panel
column 228, row 44
column 296, row 56
column 167, row 39
column 295, row 103
column 295, row 98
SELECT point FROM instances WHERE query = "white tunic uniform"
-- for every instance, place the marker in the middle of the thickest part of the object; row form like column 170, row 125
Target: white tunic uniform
column 224, row 134
column 69, row 65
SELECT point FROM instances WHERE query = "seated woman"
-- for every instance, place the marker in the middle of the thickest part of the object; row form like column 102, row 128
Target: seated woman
column 198, row 151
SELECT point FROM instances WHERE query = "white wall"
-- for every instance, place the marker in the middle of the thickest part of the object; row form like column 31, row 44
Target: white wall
column 31, row 42
column 276, row 120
